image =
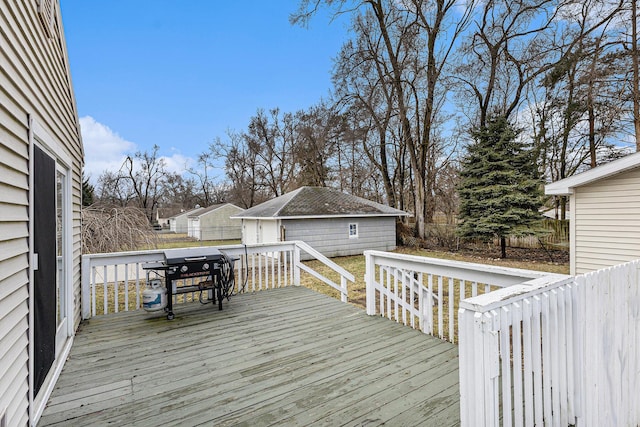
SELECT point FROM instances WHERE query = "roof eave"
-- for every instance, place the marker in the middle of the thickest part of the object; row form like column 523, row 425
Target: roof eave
column 557, row 190
column 323, row 216
column 566, row 186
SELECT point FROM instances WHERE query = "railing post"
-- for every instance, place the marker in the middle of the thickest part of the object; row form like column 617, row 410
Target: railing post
column 369, row 279
column 85, row 291
column 344, row 294
column 296, row 265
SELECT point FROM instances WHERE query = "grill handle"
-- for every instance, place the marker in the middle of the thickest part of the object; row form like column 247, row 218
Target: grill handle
column 195, row 259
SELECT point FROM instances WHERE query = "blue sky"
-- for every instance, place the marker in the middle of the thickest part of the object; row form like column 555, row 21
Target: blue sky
column 181, row 73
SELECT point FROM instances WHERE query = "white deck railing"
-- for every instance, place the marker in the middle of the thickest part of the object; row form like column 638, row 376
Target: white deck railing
column 558, row 351
column 113, row 282
column 425, row 292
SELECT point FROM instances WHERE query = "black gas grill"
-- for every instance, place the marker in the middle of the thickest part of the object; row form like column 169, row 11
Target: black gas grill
column 182, row 265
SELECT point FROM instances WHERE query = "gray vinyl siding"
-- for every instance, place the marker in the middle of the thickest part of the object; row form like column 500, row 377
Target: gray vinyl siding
column 180, row 223
column 217, row 224
column 330, row 236
column 34, row 83
column 607, row 222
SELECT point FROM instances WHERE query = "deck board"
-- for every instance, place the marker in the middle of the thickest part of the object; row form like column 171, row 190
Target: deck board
column 286, row 356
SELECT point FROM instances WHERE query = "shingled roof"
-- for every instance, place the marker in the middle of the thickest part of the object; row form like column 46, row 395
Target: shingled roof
column 318, row 202
column 202, row 211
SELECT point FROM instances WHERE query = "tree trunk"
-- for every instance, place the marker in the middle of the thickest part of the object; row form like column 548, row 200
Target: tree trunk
column 503, row 247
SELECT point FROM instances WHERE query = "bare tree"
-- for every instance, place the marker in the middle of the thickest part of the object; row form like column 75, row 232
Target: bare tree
column 241, row 167
column 114, row 189
column 203, row 172
column 514, row 43
column 360, row 83
column 636, row 74
column 182, row 192
column 318, row 134
column 415, row 40
column 147, row 175
column 272, row 139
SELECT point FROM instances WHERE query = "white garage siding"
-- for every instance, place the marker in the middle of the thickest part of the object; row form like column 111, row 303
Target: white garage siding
column 35, row 87
column 330, row 236
column 269, row 230
column 607, row 222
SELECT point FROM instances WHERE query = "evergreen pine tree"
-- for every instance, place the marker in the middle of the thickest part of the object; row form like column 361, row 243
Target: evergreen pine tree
column 500, row 188
column 87, row 192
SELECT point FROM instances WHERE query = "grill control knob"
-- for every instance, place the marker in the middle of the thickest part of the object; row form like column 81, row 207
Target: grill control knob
column 205, row 266
column 184, row 269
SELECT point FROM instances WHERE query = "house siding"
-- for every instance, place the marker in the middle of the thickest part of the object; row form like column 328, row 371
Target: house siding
column 217, row 224
column 330, row 236
column 606, row 229
column 35, row 87
column 180, row 223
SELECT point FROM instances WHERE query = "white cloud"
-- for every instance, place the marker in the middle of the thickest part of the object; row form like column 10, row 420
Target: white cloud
column 104, row 149
column 178, row 163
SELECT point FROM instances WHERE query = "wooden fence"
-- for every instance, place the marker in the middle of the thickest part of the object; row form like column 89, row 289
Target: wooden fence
column 555, row 236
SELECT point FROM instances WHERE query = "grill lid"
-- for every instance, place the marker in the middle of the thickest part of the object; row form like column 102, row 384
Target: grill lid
column 185, row 256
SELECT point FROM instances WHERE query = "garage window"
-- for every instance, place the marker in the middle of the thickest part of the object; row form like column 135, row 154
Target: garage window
column 353, row 230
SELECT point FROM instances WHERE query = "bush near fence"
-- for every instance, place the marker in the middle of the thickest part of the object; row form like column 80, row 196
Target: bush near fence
column 555, row 236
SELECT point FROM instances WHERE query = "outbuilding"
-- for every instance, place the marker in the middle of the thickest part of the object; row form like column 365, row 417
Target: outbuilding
column 332, row 222
column 179, row 223
column 215, row 223
column 604, row 214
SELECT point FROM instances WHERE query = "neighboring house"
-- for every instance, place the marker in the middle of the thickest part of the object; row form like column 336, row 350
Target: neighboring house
column 41, row 158
column 179, row 223
column 164, row 214
column 215, row 223
column 332, row 222
column 604, row 214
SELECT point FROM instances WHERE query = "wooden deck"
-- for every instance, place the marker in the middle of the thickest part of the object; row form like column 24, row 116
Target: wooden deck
column 286, row 356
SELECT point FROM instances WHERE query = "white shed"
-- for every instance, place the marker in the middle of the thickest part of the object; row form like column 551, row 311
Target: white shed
column 41, row 158
column 332, row 222
column 604, row 214
column 215, row 223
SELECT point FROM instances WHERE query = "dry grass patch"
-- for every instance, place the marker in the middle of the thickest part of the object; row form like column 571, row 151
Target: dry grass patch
column 356, row 266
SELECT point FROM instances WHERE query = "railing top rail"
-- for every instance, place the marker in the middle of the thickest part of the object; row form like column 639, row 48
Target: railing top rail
column 490, row 301
column 325, row 260
column 97, row 260
column 154, row 253
column 259, row 247
column 480, row 273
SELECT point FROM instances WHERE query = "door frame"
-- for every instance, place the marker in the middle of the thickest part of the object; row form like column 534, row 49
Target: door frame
column 65, row 330
column 39, row 136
